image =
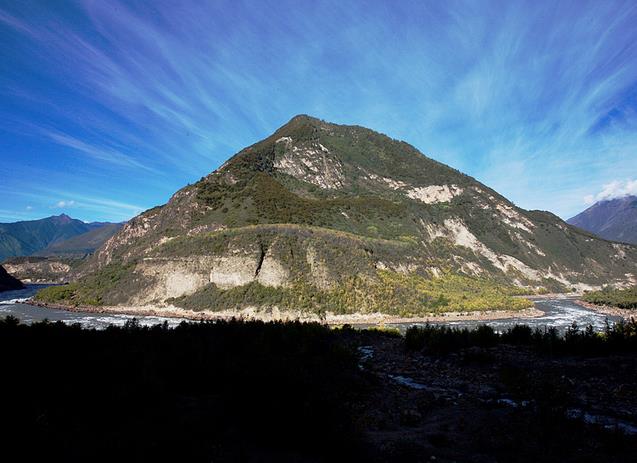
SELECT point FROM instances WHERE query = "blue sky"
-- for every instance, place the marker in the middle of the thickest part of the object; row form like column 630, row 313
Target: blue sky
column 107, row 108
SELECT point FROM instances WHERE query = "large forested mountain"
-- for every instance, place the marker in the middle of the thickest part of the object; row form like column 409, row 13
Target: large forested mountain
column 33, row 236
column 338, row 218
column 613, row 219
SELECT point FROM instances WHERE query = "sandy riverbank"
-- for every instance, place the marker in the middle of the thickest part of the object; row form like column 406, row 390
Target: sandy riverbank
column 609, row 310
column 278, row 315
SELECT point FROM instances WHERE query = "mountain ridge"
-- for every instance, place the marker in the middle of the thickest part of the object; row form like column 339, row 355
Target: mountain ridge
column 341, row 218
column 613, row 219
column 29, row 237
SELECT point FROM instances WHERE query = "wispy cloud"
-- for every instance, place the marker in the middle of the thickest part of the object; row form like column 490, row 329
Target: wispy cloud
column 536, row 99
column 101, row 153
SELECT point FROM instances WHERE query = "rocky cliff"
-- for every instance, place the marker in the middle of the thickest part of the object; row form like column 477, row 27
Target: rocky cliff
column 40, row 269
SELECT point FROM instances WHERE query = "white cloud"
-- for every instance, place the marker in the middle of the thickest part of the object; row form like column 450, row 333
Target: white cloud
column 62, row 204
column 614, row 189
column 29, row 208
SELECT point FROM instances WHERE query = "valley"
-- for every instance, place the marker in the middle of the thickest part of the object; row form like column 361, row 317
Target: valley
column 558, row 312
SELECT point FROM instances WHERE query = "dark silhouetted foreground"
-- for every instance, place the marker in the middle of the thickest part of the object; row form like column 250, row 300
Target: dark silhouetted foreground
column 228, row 391
column 286, row 392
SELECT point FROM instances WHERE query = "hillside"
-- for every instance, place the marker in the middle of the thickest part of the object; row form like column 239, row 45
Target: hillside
column 614, row 219
column 28, row 237
column 7, row 282
column 37, row 269
column 80, row 245
column 332, row 218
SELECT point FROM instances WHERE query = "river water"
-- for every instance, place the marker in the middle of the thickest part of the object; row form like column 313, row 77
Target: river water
column 558, row 313
column 12, row 303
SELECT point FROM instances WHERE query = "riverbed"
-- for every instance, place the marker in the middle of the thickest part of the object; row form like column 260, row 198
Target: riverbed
column 559, row 313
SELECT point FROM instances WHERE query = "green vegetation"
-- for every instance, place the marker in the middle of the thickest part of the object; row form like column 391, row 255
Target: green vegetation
column 621, row 337
column 391, row 293
column 262, row 199
column 113, row 283
column 622, row 298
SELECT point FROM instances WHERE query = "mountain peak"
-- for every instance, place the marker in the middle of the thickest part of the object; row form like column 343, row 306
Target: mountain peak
column 304, row 118
column 62, row 219
column 613, row 219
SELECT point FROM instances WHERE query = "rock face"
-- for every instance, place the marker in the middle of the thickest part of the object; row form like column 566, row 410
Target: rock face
column 614, row 219
column 7, row 282
column 322, row 215
column 40, row 269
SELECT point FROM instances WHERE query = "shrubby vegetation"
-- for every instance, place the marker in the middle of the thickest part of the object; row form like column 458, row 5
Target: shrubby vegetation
column 391, row 293
column 621, row 337
column 622, row 298
column 263, row 199
column 110, row 283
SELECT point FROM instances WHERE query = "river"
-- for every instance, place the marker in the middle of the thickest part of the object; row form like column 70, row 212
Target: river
column 558, row 313
column 12, row 303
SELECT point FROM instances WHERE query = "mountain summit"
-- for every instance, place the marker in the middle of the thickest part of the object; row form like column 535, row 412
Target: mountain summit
column 339, row 218
column 612, row 219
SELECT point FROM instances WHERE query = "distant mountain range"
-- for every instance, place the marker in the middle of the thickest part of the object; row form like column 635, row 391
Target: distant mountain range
column 49, row 236
column 328, row 218
column 613, row 219
column 82, row 244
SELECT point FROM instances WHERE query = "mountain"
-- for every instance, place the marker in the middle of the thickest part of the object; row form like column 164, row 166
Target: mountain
column 7, row 282
column 613, row 219
column 29, row 237
column 83, row 244
column 325, row 218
